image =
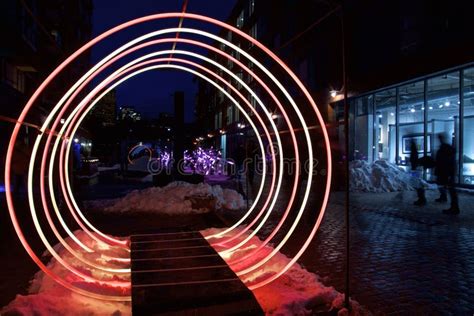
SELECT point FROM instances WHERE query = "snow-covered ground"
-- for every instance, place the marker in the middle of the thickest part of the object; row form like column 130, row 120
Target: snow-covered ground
column 297, row 292
column 46, row 297
column 382, row 176
column 173, row 199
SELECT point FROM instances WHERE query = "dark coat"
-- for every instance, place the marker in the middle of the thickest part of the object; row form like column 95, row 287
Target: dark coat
column 445, row 163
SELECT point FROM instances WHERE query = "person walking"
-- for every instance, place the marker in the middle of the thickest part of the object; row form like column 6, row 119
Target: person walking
column 416, row 174
column 445, row 170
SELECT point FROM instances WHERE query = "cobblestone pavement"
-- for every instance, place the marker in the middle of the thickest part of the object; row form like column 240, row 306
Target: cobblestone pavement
column 404, row 259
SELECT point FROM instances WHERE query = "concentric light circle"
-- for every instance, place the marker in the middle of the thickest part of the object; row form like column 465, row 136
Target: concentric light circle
column 71, row 112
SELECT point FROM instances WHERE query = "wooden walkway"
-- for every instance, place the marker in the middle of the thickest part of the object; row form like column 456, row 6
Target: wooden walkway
column 179, row 273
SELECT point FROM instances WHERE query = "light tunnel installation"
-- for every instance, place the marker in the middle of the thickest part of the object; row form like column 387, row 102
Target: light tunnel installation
column 51, row 150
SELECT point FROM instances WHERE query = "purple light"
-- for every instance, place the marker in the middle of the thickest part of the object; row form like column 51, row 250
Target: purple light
column 204, row 161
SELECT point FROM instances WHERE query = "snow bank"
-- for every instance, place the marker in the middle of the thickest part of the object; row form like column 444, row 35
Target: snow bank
column 297, row 292
column 173, row 199
column 381, row 176
column 47, row 297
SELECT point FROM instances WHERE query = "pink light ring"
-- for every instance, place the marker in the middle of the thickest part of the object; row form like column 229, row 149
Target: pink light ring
column 61, row 160
column 163, row 53
column 201, row 58
column 67, row 123
column 268, row 114
column 106, row 34
column 299, row 115
column 167, row 66
column 43, row 237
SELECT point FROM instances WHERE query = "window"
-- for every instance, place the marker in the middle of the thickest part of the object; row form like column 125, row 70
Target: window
column 363, row 138
column 240, row 20
column 384, row 125
column 229, row 115
column 411, row 120
column 28, row 26
column 12, row 76
column 251, row 7
column 253, row 32
column 468, row 128
column 443, row 111
column 240, row 75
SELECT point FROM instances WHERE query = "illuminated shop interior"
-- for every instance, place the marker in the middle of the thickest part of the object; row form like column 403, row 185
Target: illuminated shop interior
column 385, row 122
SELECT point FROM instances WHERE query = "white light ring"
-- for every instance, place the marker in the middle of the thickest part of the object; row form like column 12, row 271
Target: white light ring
column 230, row 45
column 67, row 122
column 168, row 66
column 76, row 125
column 108, row 33
column 244, row 85
column 305, row 129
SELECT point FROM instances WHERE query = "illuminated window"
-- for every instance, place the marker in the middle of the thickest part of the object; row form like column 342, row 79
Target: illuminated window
column 240, row 20
column 468, row 128
column 251, row 7
column 229, row 115
column 253, row 31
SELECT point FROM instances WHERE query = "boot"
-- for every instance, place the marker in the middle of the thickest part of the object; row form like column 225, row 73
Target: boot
column 421, row 197
column 453, row 210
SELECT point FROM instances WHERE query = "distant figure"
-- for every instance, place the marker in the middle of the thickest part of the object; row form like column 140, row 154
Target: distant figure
column 445, row 171
column 416, row 174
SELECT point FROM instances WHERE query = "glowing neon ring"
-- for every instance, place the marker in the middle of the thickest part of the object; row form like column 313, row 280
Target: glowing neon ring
column 61, row 159
column 9, row 153
column 109, row 89
column 293, row 226
column 236, row 78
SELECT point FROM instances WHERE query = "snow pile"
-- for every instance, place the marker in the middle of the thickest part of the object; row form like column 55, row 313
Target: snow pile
column 296, row 292
column 381, row 176
column 173, row 199
column 47, row 297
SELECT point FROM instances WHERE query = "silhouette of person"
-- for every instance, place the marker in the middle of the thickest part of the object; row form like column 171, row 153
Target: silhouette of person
column 445, row 171
column 416, row 174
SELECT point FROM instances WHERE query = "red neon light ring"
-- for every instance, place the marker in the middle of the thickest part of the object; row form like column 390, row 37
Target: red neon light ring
column 14, row 135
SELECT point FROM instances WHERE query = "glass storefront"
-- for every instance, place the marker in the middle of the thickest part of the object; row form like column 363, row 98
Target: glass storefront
column 467, row 154
column 385, row 127
column 385, row 123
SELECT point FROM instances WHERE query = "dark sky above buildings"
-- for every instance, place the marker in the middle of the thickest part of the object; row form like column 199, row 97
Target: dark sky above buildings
column 151, row 92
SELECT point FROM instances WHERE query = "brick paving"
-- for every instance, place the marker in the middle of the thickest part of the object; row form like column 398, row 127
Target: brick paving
column 404, row 259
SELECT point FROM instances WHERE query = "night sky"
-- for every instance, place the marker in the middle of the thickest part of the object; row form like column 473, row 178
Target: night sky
column 151, row 92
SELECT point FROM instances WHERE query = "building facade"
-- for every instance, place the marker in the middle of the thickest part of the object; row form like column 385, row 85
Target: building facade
column 402, row 58
column 36, row 37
